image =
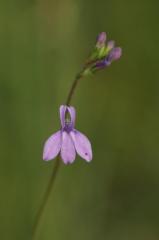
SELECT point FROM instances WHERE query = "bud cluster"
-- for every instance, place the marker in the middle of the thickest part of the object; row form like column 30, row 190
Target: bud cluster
column 103, row 54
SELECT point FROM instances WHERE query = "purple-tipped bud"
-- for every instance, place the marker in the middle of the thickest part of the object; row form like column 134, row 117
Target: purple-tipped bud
column 101, row 39
column 110, row 45
column 115, row 54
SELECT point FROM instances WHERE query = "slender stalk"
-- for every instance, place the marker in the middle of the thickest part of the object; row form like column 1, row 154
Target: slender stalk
column 72, row 90
column 46, row 197
column 55, row 170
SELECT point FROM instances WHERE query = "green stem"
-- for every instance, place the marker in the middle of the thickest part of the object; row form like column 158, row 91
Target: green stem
column 55, row 170
column 72, row 90
column 45, row 199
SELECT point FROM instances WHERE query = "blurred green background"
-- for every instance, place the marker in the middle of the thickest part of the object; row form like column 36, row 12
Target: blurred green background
column 43, row 45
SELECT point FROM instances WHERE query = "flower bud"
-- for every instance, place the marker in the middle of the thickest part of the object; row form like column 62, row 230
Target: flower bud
column 115, row 54
column 110, row 45
column 101, row 39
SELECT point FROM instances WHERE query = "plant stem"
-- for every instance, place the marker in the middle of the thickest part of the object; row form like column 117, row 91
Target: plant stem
column 46, row 197
column 55, row 170
column 72, row 90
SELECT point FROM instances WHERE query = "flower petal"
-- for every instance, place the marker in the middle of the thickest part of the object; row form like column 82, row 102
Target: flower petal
column 72, row 113
column 62, row 115
column 52, row 146
column 82, row 145
column 68, row 152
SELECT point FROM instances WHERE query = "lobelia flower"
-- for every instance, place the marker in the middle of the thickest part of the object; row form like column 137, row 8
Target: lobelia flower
column 67, row 141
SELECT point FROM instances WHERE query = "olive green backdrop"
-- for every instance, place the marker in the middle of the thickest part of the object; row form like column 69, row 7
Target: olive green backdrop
column 43, row 45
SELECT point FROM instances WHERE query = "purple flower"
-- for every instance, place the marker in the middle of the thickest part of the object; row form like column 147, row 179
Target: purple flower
column 67, row 141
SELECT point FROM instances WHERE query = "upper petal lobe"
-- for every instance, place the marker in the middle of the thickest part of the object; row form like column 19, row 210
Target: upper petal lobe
column 62, row 115
column 72, row 113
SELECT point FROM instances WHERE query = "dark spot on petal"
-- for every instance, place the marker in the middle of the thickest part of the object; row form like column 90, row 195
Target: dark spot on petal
column 86, row 154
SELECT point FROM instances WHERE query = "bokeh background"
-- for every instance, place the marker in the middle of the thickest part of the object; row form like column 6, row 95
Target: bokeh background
column 43, row 45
